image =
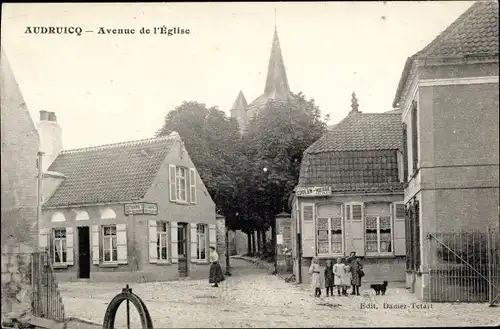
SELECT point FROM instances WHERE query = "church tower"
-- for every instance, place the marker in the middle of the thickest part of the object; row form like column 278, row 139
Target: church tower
column 276, row 87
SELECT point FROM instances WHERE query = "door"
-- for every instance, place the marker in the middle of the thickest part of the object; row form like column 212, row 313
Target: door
column 182, row 249
column 84, row 252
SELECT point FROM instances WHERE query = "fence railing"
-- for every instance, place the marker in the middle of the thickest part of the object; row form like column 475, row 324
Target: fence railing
column 464, row 266
column 46, row 300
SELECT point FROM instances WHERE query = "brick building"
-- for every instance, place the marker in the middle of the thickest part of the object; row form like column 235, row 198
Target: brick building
column 20, row 145
column 448, row 94
column 350, row 197
column 135, row 210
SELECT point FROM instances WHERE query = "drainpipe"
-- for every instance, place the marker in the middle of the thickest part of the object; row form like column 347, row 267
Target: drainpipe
column 39, row 198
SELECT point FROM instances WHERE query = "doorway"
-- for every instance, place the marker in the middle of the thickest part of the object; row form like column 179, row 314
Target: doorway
column 84, row 252
column 182, row 249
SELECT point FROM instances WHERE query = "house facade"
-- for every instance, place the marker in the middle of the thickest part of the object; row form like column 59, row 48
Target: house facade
column 135, row 210
column 20, row 144
column 350, row 197
column 448, row 94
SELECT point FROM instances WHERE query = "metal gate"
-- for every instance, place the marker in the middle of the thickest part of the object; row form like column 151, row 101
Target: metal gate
column 464, row 266
column 46, row 301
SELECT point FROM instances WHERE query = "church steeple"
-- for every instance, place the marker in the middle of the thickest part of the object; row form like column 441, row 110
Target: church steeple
column 276, row 82
column 240, row 103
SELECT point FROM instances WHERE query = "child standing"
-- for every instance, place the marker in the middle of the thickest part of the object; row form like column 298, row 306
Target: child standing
column 338, row 270
column 346, row 279
column 314, row 270
column 329, row 278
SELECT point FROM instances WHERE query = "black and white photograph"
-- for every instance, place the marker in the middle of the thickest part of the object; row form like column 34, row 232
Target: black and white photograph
column 250, row 164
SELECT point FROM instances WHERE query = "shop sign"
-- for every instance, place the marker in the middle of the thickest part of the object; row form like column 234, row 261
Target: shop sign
column 141, row 208
column 314, row 191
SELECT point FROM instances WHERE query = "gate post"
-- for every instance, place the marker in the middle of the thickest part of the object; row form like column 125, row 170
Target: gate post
column 488, row 251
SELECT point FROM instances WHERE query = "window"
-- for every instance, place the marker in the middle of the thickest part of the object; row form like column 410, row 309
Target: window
column 201, row 234
column 330, row 236
column 110, row 253
column 162, row 241
column 378, row 235
column 414, row 133
column 181, row 183
column 59, row 246
column 354, row 211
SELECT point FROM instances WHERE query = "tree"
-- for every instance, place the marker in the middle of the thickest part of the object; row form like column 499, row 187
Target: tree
column 212, row 141
column 273, row 144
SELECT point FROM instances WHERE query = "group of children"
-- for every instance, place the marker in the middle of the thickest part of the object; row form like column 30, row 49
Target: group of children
column 342, row 275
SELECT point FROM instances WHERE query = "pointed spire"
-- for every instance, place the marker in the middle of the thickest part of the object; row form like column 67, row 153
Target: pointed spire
column 276, row 82
column 240, row 103
column 354, row 104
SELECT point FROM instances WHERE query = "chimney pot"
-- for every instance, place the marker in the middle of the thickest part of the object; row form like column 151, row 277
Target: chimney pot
column 44, row 115
column 52, row 117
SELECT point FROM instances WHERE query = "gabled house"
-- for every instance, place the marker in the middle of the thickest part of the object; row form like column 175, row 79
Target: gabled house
column 350, row 196
column 135, row 210
column 20, row 144
column 448, row 95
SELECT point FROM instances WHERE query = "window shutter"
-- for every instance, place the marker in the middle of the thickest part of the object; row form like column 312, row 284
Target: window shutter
column 153, row 242
column 171, row 175
column 69, row 246
column 95, row 244
column 121, row 243
column 399, row 229
column 308, row 230
column 194, row 243
column 173, row 242
column 212, row 235
column 43, row 238
column 405, row 153
column 347, row 212
column 192, row 185
column 414, row 132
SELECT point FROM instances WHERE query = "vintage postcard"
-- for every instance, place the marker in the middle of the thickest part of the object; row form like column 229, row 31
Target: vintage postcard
column 250, row 164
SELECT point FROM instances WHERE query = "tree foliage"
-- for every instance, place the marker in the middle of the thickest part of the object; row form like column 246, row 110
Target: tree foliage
column 232, row 166
column 275, row 140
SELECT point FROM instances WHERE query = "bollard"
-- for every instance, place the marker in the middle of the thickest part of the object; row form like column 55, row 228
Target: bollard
column 129, row 297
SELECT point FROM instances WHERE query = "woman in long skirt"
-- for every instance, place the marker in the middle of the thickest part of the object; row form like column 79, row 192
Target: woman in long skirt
column 216, row 275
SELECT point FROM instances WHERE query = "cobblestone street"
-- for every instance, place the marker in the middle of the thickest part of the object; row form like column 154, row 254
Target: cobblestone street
column 253, row 298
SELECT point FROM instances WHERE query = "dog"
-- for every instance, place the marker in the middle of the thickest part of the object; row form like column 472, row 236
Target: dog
column 379, row 288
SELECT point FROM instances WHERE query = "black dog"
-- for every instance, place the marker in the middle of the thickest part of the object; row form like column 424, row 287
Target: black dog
column 379, row 288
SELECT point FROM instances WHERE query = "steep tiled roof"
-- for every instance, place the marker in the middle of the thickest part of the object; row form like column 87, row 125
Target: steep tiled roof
column 474, row 32
column 109, row 173
column 362, row 132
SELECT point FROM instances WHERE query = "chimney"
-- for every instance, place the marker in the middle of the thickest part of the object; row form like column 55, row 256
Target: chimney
column 50, row 138
column 354, row 104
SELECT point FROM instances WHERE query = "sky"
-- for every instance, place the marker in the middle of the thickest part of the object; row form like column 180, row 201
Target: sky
column 113, row 88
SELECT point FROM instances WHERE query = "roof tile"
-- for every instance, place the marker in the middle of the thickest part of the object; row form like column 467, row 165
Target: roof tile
column 108, row 173
column 362, row 132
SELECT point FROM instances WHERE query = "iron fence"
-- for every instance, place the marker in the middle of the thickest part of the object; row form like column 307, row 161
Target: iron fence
column 464, row 266
column 46, row 299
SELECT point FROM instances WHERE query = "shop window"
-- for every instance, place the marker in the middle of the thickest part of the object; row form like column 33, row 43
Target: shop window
column 378, row 235
column 330, row 236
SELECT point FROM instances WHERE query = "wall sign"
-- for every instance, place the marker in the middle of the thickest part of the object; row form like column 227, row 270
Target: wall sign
column 141, row 208
column 314, row 191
